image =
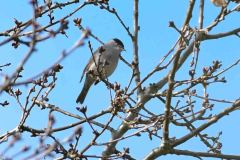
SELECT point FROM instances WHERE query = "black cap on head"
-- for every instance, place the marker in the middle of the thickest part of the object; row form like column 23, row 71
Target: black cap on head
column 119, row 42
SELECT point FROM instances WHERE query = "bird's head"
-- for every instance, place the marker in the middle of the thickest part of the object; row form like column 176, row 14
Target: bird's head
column 118, row 44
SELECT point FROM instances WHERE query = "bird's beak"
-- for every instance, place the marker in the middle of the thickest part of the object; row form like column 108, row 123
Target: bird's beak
column 123, row 49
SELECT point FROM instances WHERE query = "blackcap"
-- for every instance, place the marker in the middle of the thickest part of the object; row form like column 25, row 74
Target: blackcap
column 101, row 65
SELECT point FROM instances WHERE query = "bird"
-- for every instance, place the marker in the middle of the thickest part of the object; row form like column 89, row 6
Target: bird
column 101, row 65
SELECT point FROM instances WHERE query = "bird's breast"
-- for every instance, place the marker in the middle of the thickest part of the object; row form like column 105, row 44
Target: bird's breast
column 105, row 64
column 110, row 64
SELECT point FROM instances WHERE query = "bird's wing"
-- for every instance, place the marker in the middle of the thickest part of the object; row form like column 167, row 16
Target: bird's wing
column 84, row 71
column 90, row 62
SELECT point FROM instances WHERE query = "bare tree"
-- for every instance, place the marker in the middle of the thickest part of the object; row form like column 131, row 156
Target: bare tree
column 186, row 100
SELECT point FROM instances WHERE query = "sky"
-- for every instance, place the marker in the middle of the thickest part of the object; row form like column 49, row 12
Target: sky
column 155, row 40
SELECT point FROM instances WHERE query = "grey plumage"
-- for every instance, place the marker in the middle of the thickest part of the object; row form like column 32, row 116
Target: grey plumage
column 103, row 63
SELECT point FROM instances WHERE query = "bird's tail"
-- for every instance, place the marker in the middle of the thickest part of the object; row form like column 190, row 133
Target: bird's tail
column 86, row 87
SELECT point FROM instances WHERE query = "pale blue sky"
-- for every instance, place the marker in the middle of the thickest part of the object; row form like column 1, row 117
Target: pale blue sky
column 155, row 40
